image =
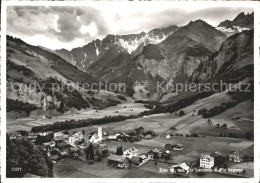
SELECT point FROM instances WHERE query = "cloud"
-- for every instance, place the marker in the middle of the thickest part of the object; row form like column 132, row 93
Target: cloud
column 70, row 27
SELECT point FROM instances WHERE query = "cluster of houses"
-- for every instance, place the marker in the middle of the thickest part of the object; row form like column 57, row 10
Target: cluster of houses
column 176, row 147
column 77, row 143
column 129, row 156
column 60, row 145
column 121, row 136
column 216, row 159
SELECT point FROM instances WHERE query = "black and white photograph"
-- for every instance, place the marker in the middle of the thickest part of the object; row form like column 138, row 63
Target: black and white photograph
column 130, row 90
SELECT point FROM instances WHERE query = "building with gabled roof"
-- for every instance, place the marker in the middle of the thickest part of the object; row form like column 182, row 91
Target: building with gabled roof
column 76, row 137
column 117, row 161
column 216, row 154
column 112, row 137
column 49, row 145
column 148, row 136
column 63, row 154
column 206, row 161
column 234, row 157
column 131, row 152
column 176, row 147
column 54, row 157
column 58, row 134
column 180, row 168
column 136, row 160
column 63, row 145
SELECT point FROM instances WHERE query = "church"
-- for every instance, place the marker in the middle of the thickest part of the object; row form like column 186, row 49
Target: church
column 97, row 137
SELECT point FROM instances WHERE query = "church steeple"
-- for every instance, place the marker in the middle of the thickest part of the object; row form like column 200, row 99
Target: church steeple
column 100, row 133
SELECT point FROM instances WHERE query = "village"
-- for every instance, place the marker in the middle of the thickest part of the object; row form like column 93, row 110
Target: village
column 120, row 151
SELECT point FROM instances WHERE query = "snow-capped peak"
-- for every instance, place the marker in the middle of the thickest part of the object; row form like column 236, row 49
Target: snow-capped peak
column 132, row 45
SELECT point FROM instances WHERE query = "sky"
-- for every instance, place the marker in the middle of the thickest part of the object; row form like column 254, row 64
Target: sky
column 57, row 27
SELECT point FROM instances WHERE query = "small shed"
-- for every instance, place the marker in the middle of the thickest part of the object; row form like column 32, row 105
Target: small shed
column 148, row 137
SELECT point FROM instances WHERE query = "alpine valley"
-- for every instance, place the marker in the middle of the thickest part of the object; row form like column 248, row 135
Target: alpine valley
column 203, row 121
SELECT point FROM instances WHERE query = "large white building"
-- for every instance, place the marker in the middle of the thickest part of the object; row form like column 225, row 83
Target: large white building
column 97, row 137
column 76, row 137
column 206, row 161
column 131, row 152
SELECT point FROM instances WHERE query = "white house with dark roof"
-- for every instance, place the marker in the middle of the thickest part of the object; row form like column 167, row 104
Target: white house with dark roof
column 177, row 147
column 206, row 161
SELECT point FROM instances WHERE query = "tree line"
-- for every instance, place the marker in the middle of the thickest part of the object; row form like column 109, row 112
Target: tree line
column 28, row 157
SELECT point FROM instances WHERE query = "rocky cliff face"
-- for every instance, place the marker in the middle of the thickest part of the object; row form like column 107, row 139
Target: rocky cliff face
column 235, row 54
column 40, row 99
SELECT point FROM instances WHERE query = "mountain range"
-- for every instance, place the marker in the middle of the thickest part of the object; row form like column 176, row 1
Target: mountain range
column 240, row 23
column 196, row 52
column 83, row 57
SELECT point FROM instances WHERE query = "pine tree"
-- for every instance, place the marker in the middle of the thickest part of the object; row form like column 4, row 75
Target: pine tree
column 83, row 132
column 119, row 150
column 90, row 153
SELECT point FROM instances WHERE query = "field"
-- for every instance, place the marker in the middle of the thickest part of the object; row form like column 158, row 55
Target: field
column 192, row 123
column 160, row 123
column 248, row 167
column 27, row 123
column 80, row 169
column 74, row 168
column 245, row 124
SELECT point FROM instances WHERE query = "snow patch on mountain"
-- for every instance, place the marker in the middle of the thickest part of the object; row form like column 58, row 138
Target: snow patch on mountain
column 82, row 63
column 224, row 29
column 240, row 29
column 132, row 45
column 231, row 30
column 97, row 51
column 85, row 55
column 73, row 62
